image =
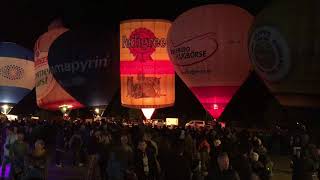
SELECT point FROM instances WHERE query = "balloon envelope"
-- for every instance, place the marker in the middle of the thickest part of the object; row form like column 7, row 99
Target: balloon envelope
column 50, row 95
column 285, row 50
column 85, row 63
column 208, row 46
column 147, row 74
column 16, row 72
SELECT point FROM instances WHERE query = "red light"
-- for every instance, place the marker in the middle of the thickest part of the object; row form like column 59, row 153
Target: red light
column 223, row 124
column 214, row 98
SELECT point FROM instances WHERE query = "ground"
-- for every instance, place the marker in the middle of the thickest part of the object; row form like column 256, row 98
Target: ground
column 282, row 169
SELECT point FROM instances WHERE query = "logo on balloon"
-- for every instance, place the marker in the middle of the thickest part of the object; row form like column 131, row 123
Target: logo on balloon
column 194, row 50
column 142, row 43
column 143, row 87
column 269, row 53
column 12, row 72
column 40, row 58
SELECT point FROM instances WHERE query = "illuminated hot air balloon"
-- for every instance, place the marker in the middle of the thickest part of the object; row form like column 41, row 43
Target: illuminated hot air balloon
column 147, row 75
column 85, row 62
column 284, row 50
column 50, row 95
column 16, row 74
column 208, row 47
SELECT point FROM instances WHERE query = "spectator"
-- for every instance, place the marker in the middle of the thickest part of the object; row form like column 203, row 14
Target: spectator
column 180, row 167
column 223, row 171
column 145, row 162
column 60, row 146
column 18, row 152
column 75, row 146
column 10, row 139
column 37, row 162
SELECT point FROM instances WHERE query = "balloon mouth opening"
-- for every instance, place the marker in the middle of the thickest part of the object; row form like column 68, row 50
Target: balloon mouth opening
column 6, row 108
column 147, row 112
column 65, row 109
column 215, row 106
column 98, row 112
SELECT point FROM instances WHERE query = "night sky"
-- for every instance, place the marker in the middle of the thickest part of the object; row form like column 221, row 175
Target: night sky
column 23, row 21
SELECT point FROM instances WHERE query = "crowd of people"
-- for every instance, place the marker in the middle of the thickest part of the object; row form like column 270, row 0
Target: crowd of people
column 23, row 157
column 111, row 151
column 305, row 161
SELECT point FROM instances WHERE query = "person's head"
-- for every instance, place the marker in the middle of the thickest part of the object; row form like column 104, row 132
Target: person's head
column 217, row 142
column 223, row 161
column 142, row 145
column 254, row 156
column 105, row 139
column 124, row 139
column 97, row 134
column 39, row 144
column 182, row 134
column 147, row 136
column 20, row 136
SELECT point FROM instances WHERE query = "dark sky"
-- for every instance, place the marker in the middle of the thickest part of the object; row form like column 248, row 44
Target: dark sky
column 23, row 21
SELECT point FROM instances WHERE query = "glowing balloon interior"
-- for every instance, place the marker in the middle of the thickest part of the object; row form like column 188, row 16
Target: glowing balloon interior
column 5, row 109
column 147, row 75
column 147, row 112
column 98, row 111
column 208, row 47
column 65, row 109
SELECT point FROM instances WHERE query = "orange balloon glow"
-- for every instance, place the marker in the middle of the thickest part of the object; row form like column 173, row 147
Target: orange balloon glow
column 147, row 74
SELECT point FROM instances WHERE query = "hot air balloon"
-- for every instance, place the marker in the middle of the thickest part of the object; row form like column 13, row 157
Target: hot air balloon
column 16, row 74
column 284, row 50
column 85, row 63
column 147, row 75
column 50, row 94
column 208, row 47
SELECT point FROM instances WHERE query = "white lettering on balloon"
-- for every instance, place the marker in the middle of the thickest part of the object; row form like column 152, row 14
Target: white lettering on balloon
column 82, row 66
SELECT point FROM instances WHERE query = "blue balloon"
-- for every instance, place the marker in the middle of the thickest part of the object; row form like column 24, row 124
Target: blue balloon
column 86, row 64
column 16, row 72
